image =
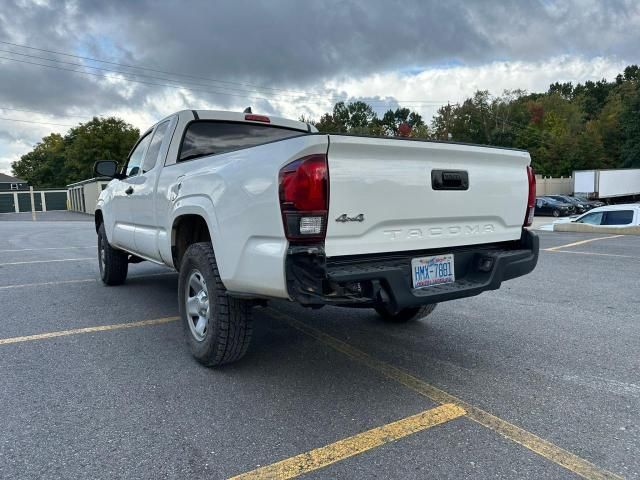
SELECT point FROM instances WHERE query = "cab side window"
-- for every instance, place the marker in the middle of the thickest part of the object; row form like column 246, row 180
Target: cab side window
column 618, row 217
column 591, row 218
column 151, row 157
column 135, row 159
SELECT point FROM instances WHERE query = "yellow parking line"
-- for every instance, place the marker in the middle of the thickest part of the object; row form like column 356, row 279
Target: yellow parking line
column 581, row 242
column 81, row 280
column 48, row 261
column 514, row 433
column 77, row 331
column 348, row 447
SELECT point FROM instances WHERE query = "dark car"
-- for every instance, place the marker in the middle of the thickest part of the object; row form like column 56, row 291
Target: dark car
column 550, row 206
column 580, row 205
column 591, row 203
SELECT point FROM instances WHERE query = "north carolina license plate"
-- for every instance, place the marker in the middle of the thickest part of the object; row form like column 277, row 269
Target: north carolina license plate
column 429, row 271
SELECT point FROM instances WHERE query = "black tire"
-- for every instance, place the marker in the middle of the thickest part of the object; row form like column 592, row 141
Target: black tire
column 556, row 213
column 406, row 314
column 228, row 328
column 113, row 263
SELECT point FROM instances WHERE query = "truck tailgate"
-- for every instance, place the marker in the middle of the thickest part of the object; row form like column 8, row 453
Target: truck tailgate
column 382, row 198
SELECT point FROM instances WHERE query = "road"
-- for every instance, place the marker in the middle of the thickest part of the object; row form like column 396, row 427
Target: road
column 552, row 356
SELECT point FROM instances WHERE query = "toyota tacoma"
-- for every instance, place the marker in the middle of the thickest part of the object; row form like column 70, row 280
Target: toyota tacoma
column 249, row 208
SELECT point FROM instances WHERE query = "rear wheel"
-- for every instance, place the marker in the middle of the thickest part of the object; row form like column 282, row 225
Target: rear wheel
column 113, row 263
column 556, row 213
column 406, row 314
column 217, row 327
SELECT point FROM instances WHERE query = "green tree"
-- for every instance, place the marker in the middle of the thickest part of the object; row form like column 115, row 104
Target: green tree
column 589, row 152
column 392, row 119
column 44, row 165
column 57, row 161
column 99, row 139
column 630, row 127
column 442, row 124
column 360, row 116
column 327, row 124
column 421, row 131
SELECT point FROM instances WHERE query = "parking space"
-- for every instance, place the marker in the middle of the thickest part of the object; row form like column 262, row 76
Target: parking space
column 542, row 375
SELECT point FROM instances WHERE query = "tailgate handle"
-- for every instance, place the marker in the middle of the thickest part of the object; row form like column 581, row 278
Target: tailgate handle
column 449, row 180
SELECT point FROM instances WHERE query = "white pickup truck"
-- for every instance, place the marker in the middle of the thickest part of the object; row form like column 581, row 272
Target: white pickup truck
column 248, row 208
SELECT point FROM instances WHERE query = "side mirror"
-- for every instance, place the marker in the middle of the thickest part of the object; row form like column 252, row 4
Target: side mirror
column 106, row 168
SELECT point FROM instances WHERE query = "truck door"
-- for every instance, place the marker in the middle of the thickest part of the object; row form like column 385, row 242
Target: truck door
column 143, row 198
column 122, row 205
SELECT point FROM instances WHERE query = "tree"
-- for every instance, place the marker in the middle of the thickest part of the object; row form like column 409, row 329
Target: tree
column 589, row 152
column 392, row 120
column 630, row 127
column 99, row 139
column 57, row 161
column 442, row 125
column 44, row 165
column 565, row 90
column 360, row 116
column 327, row 124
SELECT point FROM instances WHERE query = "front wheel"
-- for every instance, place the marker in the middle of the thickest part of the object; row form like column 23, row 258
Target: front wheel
column 217, row 327
column 113, row 263
column 406, row 314
column 556, row 213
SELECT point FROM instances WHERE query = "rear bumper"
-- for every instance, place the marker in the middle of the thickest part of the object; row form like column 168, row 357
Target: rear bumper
column 368, row 280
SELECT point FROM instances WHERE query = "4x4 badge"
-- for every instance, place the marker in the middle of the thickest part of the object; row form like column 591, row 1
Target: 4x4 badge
column 345, row 218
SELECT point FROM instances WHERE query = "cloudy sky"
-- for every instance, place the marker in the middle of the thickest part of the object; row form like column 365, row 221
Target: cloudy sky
column 288, row 57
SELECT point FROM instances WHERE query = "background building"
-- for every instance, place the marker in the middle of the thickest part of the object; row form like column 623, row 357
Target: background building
column 8, row 183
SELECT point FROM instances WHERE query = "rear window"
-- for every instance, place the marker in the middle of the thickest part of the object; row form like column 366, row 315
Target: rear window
column 208, row 137
column 619, row 217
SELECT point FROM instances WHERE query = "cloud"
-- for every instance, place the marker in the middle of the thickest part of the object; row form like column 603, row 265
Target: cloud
column 457, row 83
column 291, row 57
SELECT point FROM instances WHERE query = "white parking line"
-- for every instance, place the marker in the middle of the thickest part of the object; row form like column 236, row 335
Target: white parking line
column 81, row 280
column 49, row 261
column 46, row 248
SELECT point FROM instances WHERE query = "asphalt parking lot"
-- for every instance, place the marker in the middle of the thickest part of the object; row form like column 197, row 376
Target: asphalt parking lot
column 539, row 379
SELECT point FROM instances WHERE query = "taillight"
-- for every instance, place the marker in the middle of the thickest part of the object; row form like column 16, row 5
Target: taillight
column 531, row 200
column 304, row 198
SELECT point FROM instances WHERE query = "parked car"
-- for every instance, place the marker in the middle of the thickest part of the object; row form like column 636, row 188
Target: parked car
column 549, row 206
column 625, row 215
column 580, row 206
column 250, row 208
column 585, row 199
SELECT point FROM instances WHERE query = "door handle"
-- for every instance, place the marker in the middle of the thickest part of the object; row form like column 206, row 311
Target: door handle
column 129, row 191
column 449, row 180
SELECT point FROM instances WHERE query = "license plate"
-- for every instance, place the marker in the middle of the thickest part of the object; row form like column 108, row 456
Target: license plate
column 429, row 271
